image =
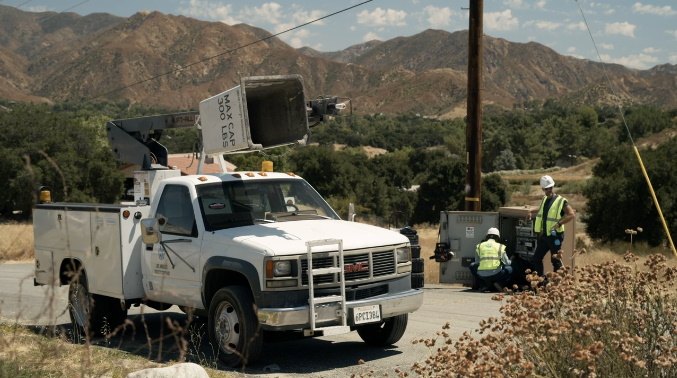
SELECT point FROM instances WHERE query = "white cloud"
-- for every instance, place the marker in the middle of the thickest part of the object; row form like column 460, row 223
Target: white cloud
column 540, row 4
column 501, row 20
column 653, row 9
column 37, row 8
column 370, row 37
column 577, row 26
column 620, row 28
column 547, row 25
column 267, row 12
column 607, row 46
column 303, row 16
column 209, row 10
column 651, row 50
column 673, row 33
column 673, row 59
column 639, row 61
column 602, row 7
column 571, row 49
column 382, row 17
column 513, row 3
column 438, row 17
column 296, row 39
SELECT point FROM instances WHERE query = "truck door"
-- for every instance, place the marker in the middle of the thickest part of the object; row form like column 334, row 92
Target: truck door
column 172, row 266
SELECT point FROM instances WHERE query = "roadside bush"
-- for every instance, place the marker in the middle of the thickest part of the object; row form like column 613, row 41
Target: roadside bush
column 605, row 320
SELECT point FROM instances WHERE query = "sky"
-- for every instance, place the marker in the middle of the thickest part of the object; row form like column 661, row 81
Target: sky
column 636, row 34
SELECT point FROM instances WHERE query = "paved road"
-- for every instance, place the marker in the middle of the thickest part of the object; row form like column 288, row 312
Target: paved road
column 285, row 355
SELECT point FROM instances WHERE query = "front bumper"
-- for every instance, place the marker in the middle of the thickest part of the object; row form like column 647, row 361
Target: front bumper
column 328, row 314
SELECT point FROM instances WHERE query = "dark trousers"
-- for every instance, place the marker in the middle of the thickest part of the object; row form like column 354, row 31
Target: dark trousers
column 501, row 276
column 545, row 244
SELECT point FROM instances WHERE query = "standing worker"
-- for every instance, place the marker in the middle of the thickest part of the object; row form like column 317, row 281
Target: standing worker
column 553, row 213
column 493, row 267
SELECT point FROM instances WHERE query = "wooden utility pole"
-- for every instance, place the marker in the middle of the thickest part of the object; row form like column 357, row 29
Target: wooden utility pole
column 473, row 129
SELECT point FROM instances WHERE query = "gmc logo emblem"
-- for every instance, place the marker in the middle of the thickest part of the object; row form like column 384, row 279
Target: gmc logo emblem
column 356, row 267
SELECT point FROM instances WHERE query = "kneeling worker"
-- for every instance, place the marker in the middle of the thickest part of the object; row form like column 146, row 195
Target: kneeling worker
column 492, row 266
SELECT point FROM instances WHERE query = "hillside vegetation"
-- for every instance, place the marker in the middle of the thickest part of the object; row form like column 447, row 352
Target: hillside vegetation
column 421, row 172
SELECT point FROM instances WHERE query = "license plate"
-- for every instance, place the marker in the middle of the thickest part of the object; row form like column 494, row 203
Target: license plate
column 366, row 314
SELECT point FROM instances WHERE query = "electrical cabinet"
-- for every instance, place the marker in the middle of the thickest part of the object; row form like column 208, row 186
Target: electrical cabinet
column 463, row 230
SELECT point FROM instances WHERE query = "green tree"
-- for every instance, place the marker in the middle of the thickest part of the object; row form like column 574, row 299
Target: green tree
column 443, row 189
column 619, row 198
column 58, row 149
column 494, row 193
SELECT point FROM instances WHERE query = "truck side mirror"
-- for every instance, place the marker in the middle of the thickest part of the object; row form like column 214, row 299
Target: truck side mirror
column 150, row 231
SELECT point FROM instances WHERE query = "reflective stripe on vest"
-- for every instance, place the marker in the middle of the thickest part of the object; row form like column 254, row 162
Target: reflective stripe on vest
column 554, row 214
column 490, row 255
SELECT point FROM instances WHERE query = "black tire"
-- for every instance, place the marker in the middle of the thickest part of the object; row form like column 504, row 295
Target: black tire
column 112, row 312
column 417, row 265
column 92, row 315
column 415, row 251
column 233, row 326
column 79, row 308
column 385, row 333
column 417, row 280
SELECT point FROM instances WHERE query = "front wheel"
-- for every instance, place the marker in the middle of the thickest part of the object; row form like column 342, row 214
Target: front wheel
column 387, row 332
column 233, row 326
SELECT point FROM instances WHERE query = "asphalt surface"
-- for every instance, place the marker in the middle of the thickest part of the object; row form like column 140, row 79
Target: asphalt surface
column 284, row 355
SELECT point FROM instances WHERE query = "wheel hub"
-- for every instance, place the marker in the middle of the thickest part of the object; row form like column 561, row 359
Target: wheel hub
column 227, row 328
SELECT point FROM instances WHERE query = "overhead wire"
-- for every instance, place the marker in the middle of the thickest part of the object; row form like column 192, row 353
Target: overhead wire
column 627, row 129
column 22, row 4
column 65, row 10
column 181, row 68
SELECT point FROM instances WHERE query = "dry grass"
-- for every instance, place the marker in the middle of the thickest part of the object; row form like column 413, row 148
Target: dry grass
column 427, row 238
column 16, row 242
column 26, row 352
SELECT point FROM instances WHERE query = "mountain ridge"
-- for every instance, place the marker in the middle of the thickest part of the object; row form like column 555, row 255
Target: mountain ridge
column 176, row 61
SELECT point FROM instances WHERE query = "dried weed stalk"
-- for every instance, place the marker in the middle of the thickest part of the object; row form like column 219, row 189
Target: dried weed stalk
column 607, row 320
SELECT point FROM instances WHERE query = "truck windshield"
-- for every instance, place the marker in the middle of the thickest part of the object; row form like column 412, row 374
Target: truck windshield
column 243, row 203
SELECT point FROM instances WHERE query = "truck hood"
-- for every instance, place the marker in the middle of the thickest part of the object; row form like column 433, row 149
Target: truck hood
column 287, row 238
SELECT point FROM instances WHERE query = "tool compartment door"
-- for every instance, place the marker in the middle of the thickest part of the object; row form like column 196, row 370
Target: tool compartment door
column 104, row 262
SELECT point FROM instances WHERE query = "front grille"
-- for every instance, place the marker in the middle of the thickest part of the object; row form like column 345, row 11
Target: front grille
column 358, row 266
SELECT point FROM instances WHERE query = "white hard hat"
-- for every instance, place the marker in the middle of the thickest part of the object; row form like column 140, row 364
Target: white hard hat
column 493, row 231
column 547, row 182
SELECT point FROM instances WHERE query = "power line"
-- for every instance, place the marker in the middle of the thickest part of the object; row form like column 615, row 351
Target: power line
column 22, row 4
column 228, row 51
column 627, row 129
column 75, row 6
column 65, row 10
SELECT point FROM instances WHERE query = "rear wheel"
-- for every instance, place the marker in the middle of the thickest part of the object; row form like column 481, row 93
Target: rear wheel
column 80, row 308
column 387, row 332
column 92, row 314
column 233, row 326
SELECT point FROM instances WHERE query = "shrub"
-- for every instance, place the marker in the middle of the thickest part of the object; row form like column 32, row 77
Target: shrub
column 606, row 320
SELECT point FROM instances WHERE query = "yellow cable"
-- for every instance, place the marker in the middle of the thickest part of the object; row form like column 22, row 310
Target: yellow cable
column 655, row 200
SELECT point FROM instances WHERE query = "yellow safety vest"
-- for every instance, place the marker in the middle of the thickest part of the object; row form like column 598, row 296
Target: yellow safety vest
column 554, row 215
column 490, row 255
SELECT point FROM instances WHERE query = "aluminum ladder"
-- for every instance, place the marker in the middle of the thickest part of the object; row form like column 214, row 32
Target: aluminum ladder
column 314, row 301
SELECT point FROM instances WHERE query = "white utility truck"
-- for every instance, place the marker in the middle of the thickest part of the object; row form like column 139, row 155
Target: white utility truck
column 252, row 251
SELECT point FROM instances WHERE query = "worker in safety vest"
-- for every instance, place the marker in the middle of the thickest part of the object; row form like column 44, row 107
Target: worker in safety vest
column 492, row 265
column 553, row 213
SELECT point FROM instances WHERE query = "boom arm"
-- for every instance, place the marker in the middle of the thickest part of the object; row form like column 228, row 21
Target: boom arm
column 262, row 112
column 136, row 140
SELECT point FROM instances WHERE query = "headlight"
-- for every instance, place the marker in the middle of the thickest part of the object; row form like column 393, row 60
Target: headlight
column 403, row 254
column 281, row 273
column 281, row 268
